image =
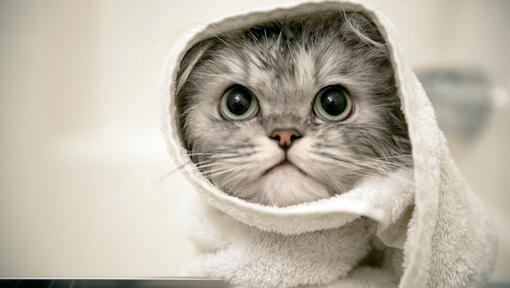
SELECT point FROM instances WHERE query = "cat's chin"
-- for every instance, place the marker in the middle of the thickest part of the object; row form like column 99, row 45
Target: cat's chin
column 285, row 185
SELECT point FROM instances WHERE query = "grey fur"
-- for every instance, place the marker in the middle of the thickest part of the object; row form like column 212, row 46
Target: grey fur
column 285, row 64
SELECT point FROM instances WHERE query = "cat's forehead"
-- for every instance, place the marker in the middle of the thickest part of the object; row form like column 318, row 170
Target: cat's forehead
column 289, row 75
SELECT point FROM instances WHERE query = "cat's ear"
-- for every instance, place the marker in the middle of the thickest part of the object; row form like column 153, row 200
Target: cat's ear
column 184, row 85
column 360, row 26
column 189, row 62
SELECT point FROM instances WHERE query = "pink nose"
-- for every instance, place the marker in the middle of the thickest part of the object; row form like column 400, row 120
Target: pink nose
column 285, row 137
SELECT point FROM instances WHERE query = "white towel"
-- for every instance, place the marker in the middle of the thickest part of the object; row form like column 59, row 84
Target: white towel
column 437, row 232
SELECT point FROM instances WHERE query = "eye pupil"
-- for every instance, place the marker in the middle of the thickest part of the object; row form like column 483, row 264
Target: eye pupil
column 333, row 102
column 238, row 101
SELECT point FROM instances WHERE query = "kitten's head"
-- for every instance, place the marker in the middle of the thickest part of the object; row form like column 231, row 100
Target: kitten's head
column 292, row 111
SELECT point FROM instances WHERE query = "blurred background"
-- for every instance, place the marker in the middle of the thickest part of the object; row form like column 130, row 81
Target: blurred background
column 85, row 188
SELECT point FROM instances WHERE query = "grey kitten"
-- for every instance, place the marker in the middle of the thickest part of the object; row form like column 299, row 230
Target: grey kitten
column 292, row 111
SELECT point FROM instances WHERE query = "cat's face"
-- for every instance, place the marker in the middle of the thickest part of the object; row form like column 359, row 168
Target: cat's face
column 281, row 116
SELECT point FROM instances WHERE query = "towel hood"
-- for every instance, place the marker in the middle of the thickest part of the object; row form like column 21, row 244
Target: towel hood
column 336, row 209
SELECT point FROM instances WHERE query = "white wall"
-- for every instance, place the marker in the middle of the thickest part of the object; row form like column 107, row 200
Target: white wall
column 80, row 143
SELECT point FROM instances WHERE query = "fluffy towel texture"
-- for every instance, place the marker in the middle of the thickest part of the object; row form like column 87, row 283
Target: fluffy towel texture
column 437, row 223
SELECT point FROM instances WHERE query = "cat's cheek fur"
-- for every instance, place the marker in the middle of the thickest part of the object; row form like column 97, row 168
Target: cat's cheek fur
column 331, row 175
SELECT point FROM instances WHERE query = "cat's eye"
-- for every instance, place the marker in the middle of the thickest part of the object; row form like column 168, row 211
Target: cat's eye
column 238, row 103
column 332, row 103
